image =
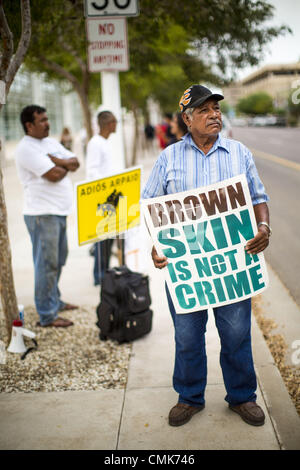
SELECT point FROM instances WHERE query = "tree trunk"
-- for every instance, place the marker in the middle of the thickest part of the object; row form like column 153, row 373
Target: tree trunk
column 9, row 65
column 7, row 287
column 87, row 116
column 135, row 136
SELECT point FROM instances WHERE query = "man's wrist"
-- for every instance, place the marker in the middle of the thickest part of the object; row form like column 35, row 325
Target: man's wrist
column 265, row 224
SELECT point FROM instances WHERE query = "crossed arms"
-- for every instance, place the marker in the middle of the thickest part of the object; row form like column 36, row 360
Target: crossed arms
column 61, row 168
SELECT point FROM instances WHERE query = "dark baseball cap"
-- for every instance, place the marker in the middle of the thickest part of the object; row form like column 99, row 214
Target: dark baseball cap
column 195, row 95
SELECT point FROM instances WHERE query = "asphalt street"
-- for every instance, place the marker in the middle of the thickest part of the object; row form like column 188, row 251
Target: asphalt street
column 281, row 177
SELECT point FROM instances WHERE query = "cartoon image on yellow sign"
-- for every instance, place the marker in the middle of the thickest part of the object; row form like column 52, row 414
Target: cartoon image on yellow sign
column 109, row 206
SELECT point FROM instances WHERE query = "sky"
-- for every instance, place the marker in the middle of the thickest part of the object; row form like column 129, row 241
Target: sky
column 285, row 49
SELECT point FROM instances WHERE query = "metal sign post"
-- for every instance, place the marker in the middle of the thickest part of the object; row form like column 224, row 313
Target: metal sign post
column 108, row 54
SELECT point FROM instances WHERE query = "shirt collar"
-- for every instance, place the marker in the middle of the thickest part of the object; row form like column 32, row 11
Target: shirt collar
column 220, row 142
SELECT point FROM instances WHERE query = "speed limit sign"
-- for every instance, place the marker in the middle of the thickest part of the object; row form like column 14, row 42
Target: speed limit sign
column 111, row 8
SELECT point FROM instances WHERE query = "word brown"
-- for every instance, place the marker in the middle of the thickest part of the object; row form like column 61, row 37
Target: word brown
column 191, row 208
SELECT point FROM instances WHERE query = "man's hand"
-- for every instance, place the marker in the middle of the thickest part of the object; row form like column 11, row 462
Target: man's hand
column 72, row 164
column 159, row 262
column 261, row 239
column 259, row 242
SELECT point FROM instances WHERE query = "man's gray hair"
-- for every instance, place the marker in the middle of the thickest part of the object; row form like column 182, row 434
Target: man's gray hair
column 189, row 112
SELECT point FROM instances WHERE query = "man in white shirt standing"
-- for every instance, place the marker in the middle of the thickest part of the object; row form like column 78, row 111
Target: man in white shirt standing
column 99, row 164
column 43, row 165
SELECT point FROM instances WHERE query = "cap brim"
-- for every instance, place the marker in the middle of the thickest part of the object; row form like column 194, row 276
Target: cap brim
column 214, row 96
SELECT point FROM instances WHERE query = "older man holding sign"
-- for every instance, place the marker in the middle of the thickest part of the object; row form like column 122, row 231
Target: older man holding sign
column 205, row 207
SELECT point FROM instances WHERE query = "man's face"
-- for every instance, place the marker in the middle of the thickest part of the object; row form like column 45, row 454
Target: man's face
column 206, row 120
column 40, row 127
column 113, row 124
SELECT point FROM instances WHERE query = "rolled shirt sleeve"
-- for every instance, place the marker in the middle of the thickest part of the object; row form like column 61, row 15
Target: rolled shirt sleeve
column 256, row 187
column 36, row 162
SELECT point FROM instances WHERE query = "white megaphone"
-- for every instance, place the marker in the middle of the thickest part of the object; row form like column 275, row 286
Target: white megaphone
column 17, row 344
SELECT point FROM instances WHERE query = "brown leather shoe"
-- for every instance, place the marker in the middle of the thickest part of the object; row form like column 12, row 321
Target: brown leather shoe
column 59, row 322
column 69, row 307
column 250, row 412
column 182, row 413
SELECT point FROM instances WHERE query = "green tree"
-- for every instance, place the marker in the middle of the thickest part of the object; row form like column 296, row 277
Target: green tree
column 228, row 34
column 165, row 79
column 225, row 107
column 256, row 104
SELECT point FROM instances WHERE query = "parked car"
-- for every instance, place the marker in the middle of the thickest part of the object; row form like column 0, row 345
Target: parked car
column 281, row 121
column 239, row 122
column 259, row 121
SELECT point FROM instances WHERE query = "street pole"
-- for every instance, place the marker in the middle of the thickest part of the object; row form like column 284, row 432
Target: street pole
column 111, row 101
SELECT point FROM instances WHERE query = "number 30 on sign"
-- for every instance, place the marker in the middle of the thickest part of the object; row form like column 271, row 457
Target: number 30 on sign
column 111, row 8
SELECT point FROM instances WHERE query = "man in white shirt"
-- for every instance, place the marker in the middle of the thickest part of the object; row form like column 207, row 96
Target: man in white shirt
column 43, row 165
column 99, row 164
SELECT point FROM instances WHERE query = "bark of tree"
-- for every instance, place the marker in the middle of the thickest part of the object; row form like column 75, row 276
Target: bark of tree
column 7, row 286
column 9, row 65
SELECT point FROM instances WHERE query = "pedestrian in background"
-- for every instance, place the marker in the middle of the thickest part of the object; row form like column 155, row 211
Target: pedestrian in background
column 178, row 128
column 66, row 138
column 99, row 164
column 149, row 132
column 203, row 158
column 163, row 131
column 43, row 165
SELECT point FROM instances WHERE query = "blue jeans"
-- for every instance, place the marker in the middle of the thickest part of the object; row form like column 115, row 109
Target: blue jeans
column 102, row 256
column 190, row 372
column 49, row 248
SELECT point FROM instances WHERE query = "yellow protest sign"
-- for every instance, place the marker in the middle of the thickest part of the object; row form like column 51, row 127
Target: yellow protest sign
column 109, row 206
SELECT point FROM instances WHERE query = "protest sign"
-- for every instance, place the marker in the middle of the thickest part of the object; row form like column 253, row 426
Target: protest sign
column 108, row 207
column 203, row 233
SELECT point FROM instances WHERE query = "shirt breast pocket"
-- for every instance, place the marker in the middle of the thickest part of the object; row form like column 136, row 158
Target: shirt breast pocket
column 175, row 181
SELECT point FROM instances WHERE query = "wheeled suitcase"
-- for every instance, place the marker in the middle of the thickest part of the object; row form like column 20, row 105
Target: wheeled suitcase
column 123, row 313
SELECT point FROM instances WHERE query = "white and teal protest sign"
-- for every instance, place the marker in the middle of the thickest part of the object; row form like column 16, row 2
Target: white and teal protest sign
column 203, row 233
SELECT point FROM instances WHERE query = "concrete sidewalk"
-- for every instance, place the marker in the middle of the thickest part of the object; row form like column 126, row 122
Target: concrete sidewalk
column 136, row 418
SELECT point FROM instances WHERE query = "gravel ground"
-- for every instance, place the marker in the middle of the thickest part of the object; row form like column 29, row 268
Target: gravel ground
column 278, row 347
column 66, row 358
column 75, row 359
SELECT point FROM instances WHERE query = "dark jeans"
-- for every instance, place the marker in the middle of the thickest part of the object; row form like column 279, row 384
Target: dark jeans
column 102, row 254
column 190, row 372
column 49, row 250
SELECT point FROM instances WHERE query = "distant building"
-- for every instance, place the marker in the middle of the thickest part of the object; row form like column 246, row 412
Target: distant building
column 276, row 80
column 63, row 109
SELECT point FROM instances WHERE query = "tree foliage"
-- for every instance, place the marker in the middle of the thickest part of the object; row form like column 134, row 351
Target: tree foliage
column 256, row 104
column 165, row 79
column 172, row 44
column 228, row 33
